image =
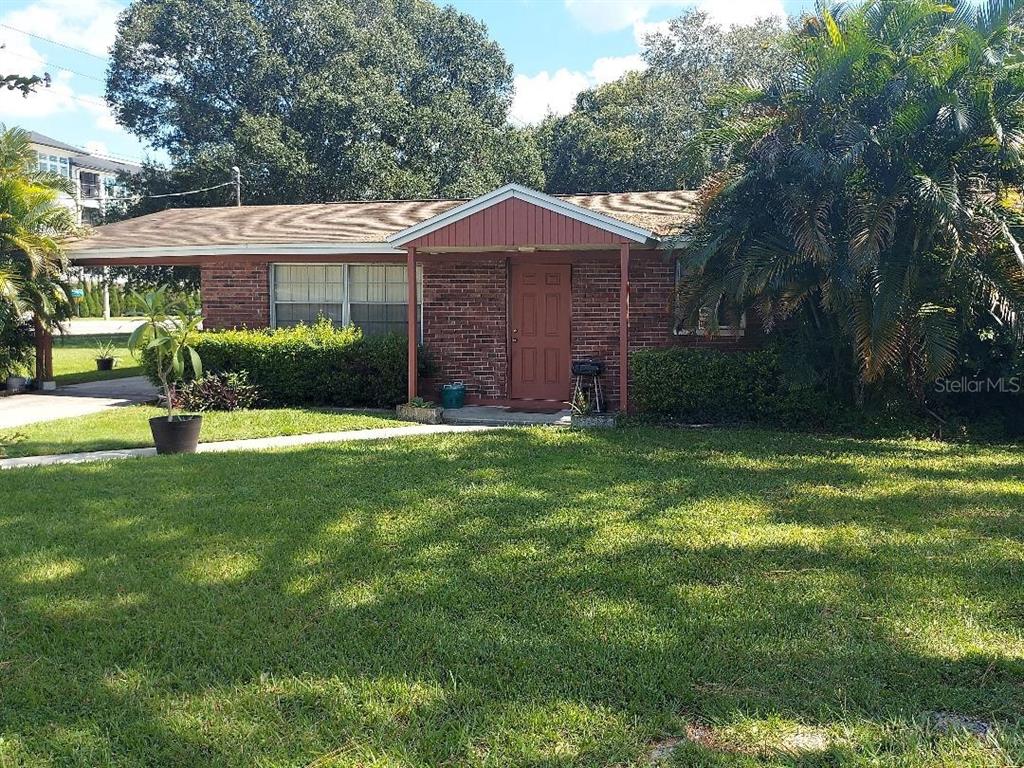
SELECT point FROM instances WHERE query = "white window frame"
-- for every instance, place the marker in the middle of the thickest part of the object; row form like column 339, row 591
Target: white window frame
column 701, row 329
column 346, row 313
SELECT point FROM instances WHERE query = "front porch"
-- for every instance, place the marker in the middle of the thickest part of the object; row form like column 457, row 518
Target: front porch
column 509, row 325
column 517, row 285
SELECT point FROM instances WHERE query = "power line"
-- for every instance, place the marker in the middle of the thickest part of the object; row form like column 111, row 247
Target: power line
column 54, row 42
column 233, row 182
column 57, row 66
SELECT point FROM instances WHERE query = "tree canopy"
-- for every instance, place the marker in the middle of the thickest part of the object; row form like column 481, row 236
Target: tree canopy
column 874, row 196
column 635, row 132
column 318, row 100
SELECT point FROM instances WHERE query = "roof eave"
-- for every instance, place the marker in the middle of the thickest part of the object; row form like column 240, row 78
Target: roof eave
column 261, row 249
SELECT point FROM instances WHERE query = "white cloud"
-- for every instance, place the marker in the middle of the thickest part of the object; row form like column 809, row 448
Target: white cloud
column 729, row 12
column 610, row 68
column 643, row 29
column 615, row 15
column 87, row 24
column 546, row 93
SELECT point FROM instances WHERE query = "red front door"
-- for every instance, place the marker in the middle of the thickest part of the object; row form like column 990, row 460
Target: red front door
column 540, row 332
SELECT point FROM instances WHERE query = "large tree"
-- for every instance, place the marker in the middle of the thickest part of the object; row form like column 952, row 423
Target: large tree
column 874, row 199
column 319, row 100
column 635, row 132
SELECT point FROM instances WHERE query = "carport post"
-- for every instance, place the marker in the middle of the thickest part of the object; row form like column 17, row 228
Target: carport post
column 410, row 278
column 624, row 327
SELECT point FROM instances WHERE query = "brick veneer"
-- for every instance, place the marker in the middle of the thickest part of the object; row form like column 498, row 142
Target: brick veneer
column 595, row 318
column 235, row 294
column 652, row 310
column 464, row 328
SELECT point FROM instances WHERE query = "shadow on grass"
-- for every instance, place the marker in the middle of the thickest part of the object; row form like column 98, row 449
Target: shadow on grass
column 514, row 598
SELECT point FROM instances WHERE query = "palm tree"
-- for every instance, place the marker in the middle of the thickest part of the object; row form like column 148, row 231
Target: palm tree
column 873, row 195
column 33, row 228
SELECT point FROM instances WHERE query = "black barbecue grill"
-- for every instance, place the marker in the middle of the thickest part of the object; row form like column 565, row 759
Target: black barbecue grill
column 587, row 387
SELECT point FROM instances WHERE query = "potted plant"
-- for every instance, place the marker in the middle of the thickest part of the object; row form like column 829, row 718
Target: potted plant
column 585, row 416
column 421, row 411
column 105, row 358
column 168, row 339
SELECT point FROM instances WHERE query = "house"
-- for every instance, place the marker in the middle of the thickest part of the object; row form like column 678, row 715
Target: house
column 510, row 287
column 95, row 177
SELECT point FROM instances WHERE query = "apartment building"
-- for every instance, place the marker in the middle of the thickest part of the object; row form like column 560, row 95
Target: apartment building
column 95, row 177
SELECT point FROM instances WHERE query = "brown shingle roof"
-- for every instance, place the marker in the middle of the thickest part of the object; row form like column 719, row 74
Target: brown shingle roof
column 348, row 222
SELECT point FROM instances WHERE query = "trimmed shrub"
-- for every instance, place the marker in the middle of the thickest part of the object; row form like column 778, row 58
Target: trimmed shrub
column 315, row 364
column 709, row 386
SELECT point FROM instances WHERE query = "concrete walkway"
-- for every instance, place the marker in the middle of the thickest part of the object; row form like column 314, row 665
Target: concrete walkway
column 97, row 326
column 257, row 444
column 74, row 400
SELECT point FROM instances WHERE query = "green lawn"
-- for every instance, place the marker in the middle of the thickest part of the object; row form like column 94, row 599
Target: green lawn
column 128, row 427
column 518, row 598
column 74, row 358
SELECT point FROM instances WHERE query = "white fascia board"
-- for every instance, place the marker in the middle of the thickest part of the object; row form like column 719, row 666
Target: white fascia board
column 519, row 192
column 268, row 249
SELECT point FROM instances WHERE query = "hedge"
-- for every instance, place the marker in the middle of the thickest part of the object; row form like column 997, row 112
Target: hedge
column 309, row 364
column 709, row 386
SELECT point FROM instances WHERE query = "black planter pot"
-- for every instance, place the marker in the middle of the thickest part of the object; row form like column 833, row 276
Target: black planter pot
column 178, row 436
column 104, row 363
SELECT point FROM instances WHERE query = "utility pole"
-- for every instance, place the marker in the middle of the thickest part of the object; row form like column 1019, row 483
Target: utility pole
column 237, row 175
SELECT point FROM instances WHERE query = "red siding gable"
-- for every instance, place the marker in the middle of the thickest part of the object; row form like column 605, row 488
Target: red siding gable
column 514, row 223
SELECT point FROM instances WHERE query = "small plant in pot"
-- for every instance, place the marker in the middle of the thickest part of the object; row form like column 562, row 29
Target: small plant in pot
column 168, row 337
column 105, row 358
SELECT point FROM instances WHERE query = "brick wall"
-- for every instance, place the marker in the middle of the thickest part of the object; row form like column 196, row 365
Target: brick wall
column 464, row 324
column 651, row 310
column 235, row 294
column 464, row 313
column 595, row 319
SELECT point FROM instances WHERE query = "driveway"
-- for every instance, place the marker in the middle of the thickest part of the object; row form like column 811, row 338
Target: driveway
column 74, row 400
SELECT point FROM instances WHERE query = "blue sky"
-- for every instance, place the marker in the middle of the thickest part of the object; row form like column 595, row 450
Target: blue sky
column 557, row 47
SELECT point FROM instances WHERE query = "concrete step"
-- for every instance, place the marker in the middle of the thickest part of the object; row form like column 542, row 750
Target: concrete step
column 495, row 415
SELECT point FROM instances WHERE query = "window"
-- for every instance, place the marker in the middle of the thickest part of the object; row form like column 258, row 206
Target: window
column 90, row 184
column 730, row 322
column 372, row 296
column 54, row 164
column 378, row 298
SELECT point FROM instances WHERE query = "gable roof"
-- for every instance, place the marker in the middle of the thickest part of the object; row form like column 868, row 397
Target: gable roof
column 572, row 210
column 378, row 226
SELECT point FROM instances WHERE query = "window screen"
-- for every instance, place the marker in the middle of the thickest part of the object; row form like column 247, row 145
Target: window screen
column 303, row 292
column 371, row 296
column 378, row 297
